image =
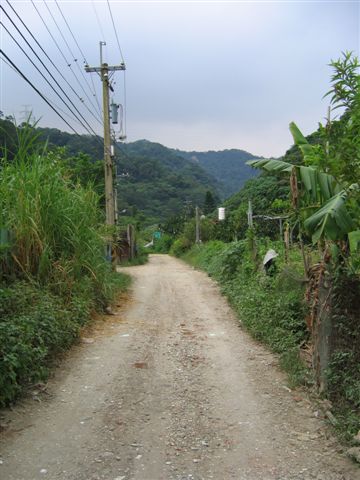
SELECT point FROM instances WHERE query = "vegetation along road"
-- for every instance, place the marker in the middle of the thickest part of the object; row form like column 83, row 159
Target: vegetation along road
column 170, row 387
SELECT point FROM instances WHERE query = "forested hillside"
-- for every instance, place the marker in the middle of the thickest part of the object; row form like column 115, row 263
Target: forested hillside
column 227, row 166
column 153, row 182
column 159, row 182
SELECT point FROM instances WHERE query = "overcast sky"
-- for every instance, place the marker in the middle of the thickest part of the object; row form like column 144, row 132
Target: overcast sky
column 201, row 75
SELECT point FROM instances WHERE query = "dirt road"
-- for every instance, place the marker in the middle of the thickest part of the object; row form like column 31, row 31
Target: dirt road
column 169, row 388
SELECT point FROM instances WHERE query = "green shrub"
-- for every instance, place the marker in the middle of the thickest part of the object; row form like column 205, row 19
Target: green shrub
column 34, row 325
column 163, row 244
column 180, row 246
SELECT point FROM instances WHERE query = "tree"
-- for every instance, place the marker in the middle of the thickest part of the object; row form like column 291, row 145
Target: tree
column 209, row 203
column 325, row 188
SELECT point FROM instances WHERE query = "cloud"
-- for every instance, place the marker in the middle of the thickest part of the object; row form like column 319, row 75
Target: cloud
column 202, row 75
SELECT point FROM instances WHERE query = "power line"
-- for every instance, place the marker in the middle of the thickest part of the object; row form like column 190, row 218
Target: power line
column 122, row 59
column 66, row 61
column 60, row 31
column 81, row 52
column 48, row 101
column 47, row 81
column 51, row 75
column 98, row 20
column 93, row 91
column 52, row 62
column 71, row 53
column 71, row 32
column 36, row 90
column 9, row 65
column 116, row 35
column 96, row 97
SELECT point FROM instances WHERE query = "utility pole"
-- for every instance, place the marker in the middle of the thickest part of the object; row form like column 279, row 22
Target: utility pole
column 26, row 114
column 197, row 225
column 104, row 70
column 250, row 215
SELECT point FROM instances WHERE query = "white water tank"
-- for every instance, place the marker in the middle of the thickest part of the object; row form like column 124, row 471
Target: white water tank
column 221, row 213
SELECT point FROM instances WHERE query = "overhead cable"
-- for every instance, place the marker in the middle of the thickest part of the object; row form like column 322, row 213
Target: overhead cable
column 48, row 71
column 98, row 20
column 36, row 90
column 72, row 54
column 47, row 98
column 53, row 64
column 47, row 81
column 82, row 54
column 66, row 60
column 116, row 35
column 71, row 32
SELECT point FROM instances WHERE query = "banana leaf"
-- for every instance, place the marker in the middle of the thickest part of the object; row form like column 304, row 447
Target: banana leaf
column 271, row 165
column 298, row 137
column 331, row 220
column 354, row 241
column 308, row 177
column 319, row 185
column 328, row 185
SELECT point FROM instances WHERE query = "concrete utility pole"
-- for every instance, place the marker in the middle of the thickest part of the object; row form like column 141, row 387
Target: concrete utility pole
column 197, row 225
column 104, row 70
column 250, row 215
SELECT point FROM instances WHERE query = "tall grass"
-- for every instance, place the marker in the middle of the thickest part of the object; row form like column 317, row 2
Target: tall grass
column 53, row 267
column 54, row 224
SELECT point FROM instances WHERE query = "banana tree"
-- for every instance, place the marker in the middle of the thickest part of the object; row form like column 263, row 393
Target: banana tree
column 325, row 206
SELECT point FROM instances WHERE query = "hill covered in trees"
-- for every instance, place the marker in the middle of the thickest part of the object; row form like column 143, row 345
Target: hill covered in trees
column 227, row 166
column 153, row 181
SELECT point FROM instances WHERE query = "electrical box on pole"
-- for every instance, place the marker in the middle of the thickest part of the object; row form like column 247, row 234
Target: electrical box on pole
column 114, row 113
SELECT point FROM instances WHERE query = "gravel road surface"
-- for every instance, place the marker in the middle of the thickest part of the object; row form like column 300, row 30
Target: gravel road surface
column 170, row 387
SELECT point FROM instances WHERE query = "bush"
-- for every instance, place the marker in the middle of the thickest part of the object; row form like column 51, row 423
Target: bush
column 163, row 244
column 180, row 246
column 34, row 325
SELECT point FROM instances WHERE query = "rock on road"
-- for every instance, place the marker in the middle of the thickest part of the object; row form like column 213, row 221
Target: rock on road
column 170, row 387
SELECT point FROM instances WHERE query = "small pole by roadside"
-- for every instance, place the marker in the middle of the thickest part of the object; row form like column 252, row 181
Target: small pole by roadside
column 197, row 225
column 250, row 215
